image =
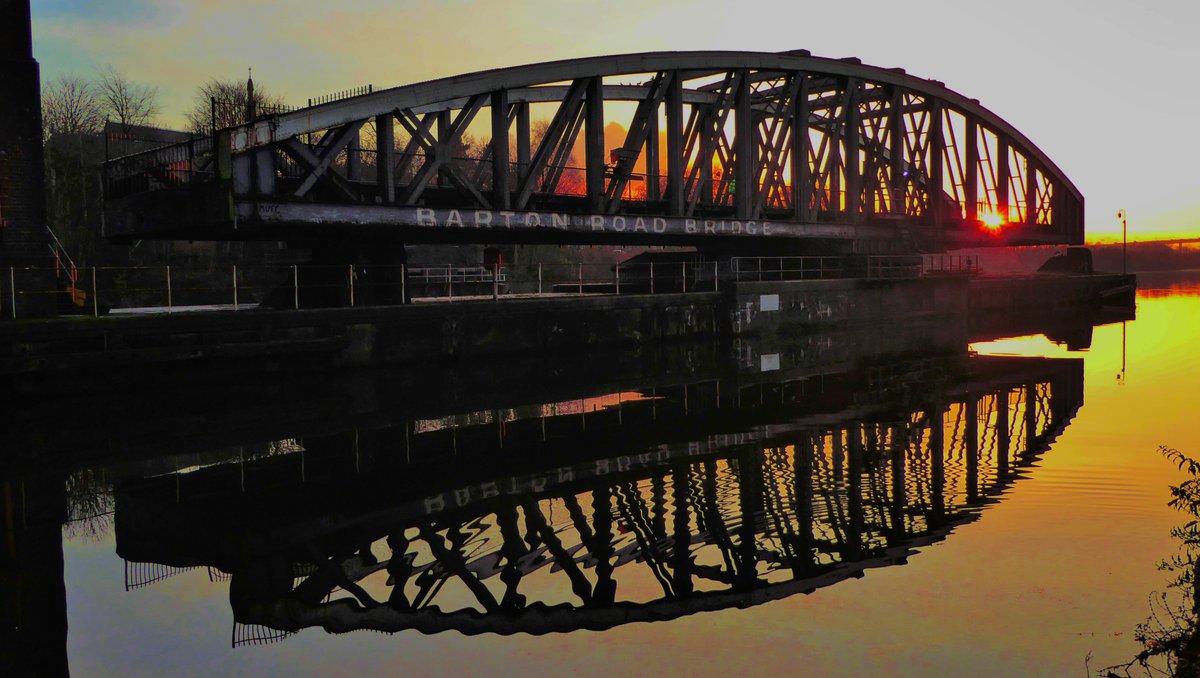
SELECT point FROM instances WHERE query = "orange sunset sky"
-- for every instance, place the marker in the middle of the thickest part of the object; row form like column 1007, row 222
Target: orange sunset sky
column 1097, row 84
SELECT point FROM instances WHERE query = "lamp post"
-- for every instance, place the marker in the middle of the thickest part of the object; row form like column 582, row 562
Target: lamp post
column 1124, row 243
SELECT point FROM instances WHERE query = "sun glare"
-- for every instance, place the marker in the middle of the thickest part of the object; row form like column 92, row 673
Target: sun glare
column 991, row 220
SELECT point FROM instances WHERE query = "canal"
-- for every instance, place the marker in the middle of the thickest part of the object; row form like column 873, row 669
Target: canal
column 917, row 505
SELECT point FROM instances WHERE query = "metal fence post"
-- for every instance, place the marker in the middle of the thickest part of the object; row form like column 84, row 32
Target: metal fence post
column 716, row 278
column 539, row 278
column 403, row 284
column 617, row 274
column 350, row 278
column 495, row 281
column 95, row 297
column 12, row 289
column 170, row 304
column 235, row 301
column 449, row 282
column 652, row 277
column 581, row 278
column 295, row 287
column 685, row 276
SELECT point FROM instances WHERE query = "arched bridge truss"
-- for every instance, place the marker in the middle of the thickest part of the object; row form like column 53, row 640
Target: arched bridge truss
column 706, row 147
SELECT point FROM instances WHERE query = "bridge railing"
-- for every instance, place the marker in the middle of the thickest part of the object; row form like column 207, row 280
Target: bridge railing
column 99, row 290
column 965, row 264
column 168, row 166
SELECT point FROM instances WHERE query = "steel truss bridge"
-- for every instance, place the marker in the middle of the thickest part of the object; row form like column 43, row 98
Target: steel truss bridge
column 726, row 150
column 699, row 520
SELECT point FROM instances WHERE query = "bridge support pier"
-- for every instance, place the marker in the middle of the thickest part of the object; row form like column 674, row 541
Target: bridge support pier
column 378, row 264
column 23, row 237
column 33, row 596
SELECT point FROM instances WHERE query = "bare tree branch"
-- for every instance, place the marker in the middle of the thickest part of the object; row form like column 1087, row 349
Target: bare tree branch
column 70, row 105
column 230, row 96
column 124, row 101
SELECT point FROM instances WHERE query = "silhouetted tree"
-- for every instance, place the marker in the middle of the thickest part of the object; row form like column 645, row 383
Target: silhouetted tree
column 230, row 96
column 126, row 102
column 70, row 105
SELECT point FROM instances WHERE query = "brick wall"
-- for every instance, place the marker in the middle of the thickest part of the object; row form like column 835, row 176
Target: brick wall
column 23, row 240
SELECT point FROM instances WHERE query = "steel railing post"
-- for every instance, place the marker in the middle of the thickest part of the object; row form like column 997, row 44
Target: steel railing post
column 449, row 282
column 580, row 278
column 170, row 304
column 652, row 277
column 617, row 275
column 403, row 283
column 495, row 281
column 12, row 290
column 350, row 279
column 539, row 278
column 95, row 297
column 684, row 283
column 295, row 287
column 716, row 277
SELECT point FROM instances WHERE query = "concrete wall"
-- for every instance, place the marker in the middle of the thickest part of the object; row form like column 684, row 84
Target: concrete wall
column 1042, row 292
column 475, row 328
column 799, row 315
column 788, row 307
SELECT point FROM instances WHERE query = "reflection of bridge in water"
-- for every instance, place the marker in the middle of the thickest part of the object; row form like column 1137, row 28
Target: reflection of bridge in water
column 637, row 506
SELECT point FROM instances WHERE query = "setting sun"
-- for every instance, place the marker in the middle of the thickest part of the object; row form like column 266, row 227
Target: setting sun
column 991, row 220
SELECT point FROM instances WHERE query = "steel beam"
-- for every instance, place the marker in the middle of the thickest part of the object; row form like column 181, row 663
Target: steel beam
column 971, row 180
column 385, row 161
column 801, row 172
column 745, row 162
column 593, row 144
column 707, row 137
column 564, row 118
column 1003, row 177
column 897, row 148
column 444, row 145
column 1031, row 192
column 935, row 190
column 635, row 139
column 851, row 137
column 653, row 191
column 675, row 159
column 501, row 196
column 522, row 140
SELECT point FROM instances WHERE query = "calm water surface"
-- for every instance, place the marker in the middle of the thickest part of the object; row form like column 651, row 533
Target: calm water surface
column 822, row 537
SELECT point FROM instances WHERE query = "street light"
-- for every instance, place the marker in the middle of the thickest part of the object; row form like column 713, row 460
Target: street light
column 1124, row 243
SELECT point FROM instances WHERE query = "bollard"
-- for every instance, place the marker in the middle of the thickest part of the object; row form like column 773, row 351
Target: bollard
column 169, row 304
column 295, row 287
column 235, row 302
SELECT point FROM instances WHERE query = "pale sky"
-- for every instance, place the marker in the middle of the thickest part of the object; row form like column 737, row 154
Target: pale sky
column 1094, row 83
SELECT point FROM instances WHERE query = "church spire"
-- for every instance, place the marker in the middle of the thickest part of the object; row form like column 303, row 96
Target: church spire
column 251, row 104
